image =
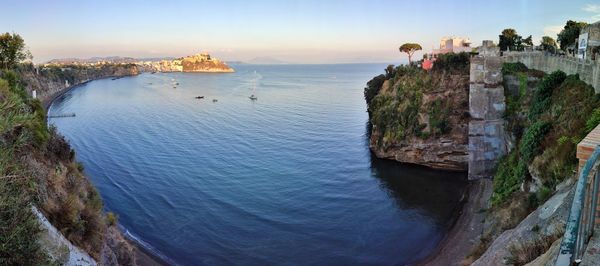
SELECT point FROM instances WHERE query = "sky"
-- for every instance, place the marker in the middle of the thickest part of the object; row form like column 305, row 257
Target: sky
column 309, row 31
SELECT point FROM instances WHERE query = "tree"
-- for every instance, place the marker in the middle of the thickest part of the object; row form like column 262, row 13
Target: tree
column 510, row 40
column 410, row 49
column 548, row 44
column 569, row 33
column 12, row 50
column 528, row 41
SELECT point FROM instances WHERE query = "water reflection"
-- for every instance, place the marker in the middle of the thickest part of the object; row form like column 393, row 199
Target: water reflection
column 434, row 192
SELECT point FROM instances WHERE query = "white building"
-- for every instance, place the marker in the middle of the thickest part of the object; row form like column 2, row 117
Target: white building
column 453, row 45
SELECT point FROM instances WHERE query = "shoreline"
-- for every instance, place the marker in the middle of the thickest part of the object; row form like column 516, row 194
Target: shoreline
column 143, row 255
column 50, row 99
column 465, row 232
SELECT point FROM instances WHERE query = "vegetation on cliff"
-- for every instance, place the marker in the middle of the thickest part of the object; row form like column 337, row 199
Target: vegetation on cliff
column 412, row 109
column 546, row 123
column 38, row 168
column 396, row 106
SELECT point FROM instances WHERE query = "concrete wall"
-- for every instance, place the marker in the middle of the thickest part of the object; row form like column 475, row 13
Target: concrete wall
column 487, row 138
column 588, row 70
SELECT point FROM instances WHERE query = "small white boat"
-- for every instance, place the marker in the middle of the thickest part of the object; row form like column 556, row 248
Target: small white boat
column 253, row 96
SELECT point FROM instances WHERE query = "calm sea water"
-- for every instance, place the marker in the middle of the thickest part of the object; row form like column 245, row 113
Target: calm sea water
column 287, row 179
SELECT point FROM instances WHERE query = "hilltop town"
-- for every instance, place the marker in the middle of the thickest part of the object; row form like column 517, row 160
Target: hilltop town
column 201, row 62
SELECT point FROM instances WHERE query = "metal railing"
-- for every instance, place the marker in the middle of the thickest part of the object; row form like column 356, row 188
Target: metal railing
column 580, row 225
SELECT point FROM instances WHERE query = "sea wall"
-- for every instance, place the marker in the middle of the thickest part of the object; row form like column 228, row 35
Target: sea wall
column 487, row 137
column 588, row 70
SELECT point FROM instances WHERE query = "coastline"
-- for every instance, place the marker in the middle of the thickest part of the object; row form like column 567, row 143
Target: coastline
column 143, row 255
column 47, row 102
column 466, row 231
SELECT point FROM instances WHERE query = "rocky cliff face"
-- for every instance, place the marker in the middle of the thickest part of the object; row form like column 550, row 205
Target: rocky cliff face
column 195, row 63
column 51, row 80
column 420, row 117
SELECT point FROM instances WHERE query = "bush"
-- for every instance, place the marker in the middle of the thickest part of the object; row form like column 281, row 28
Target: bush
column 438, row 118
column 452, row 62
column 513, row 68
column 593, row 121
column 112, row 219
column 529, row 145
column 373, row 88
column 543, row 93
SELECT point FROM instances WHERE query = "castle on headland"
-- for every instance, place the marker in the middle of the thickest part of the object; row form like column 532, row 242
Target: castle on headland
column 201, row 62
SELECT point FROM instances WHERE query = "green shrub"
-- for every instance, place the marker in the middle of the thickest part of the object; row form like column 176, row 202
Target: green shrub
column 543, row 93
column 452, row 62
column 373, row 88
column 513, row 68
column 438, row 118
column 593, row 121
column 112, row 219
column 529, row 145
column 543, row 194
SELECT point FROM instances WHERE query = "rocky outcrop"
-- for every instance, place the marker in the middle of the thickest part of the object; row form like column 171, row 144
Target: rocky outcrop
column 533, row 236
column 49, row 81
column 421, row 117
column 195, row 63
column 58, row 248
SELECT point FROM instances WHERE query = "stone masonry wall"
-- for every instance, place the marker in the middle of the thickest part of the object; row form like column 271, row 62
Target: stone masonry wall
column 487, row 138
column 588, row 70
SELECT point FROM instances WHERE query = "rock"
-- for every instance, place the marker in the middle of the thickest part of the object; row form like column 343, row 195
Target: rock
column 58, row 247
column 544, row 226
column 447, row 151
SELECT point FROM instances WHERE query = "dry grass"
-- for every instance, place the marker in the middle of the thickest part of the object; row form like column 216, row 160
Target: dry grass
column 523, row 253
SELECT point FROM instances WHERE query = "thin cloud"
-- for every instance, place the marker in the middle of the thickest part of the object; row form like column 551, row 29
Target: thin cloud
column 552, row 30
column 594, row 9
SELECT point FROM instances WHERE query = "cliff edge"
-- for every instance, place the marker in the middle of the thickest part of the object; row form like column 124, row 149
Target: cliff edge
column 420, row 116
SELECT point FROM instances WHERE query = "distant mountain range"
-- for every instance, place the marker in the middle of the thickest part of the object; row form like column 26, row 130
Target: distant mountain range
column 265, row 60
column 110, row 59
column 262, row 60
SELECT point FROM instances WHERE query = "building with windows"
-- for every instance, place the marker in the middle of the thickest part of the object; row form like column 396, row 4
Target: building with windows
column 453, row 45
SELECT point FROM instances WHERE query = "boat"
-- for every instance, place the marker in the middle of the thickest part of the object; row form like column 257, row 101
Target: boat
column 253, row 96
column 199, row 97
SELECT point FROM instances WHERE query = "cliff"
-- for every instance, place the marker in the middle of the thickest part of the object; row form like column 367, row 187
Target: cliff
column 421, row 117
column 39, row 171
column 195, row 63
column 51, row 80
column 546, row 116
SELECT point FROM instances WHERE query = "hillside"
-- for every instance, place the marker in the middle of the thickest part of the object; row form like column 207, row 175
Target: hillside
column 546, row 116
column 38, row 167
column 50, row 80
column 421, row 117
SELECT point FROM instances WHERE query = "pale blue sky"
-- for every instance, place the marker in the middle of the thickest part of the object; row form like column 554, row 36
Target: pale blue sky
column 296, row 31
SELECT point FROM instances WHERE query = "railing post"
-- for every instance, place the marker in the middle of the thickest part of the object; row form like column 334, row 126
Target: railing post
column 575, row 232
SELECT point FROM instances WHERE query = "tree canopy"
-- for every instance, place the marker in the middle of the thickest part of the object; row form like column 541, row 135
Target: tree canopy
column 12, row 50
column 410, row 49
column 510, row 40
column 548, row 44
column 569, row 33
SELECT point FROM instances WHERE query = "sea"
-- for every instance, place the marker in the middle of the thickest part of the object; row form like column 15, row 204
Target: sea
column 285, row 179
